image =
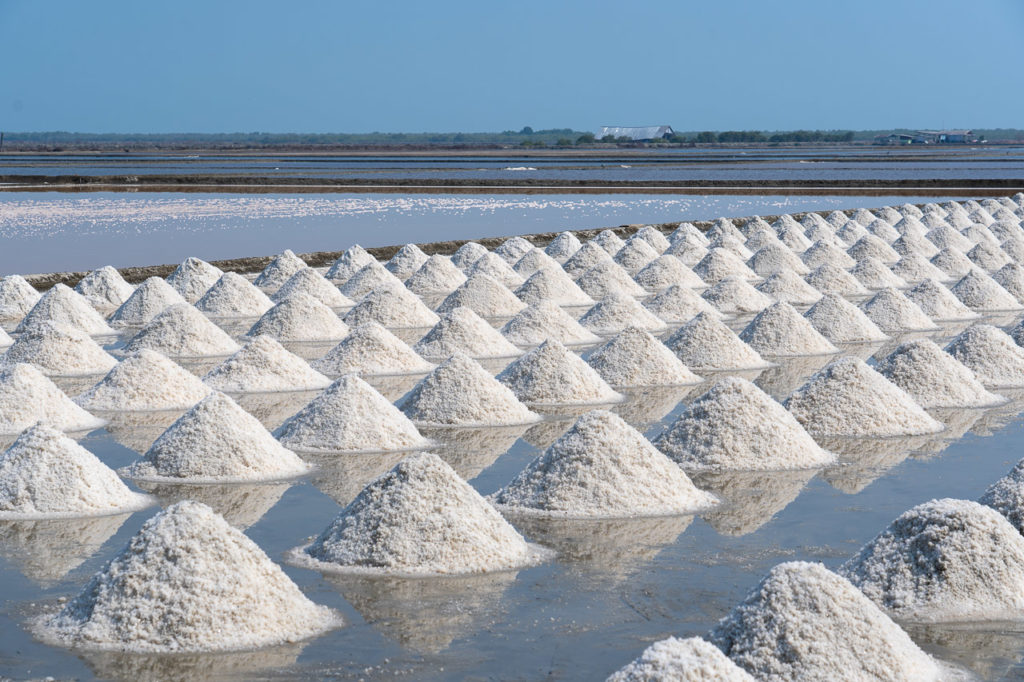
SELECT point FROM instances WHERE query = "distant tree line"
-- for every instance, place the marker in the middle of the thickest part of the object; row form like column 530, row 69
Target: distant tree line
column 756, row 136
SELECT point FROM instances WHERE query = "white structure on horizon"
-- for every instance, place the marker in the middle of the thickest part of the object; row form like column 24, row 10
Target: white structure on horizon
column 636, row 134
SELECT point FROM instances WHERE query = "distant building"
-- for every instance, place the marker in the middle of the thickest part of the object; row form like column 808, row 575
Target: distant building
column 637, row 134
column 928, row 137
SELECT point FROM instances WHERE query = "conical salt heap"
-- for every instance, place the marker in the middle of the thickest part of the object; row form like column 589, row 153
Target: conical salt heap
column 720, row 263
column 894, row 312
column 497, row 267
column 17, row 297
column 552, row 284
column 26, row 397
column 300, row 318
column 945, row 237
column 607, row 278
column 794, row 238
column 944, row 560
column 635, row 358
column 372, row 350
column 351, row 261
column 309, row 281
column 279, row 270
column 586, row 257
column 463, row 331
column 688, row 250
column 938, row 302
column 991, row 354
column 736, row 296
column 832, row 279
column 681, row 660
column 705, row 343
column 1006, row 496
column 437, row 275
column 371, row 277
column 773, row 258
column 888, row 214
column 59, row 351
column 263, row 365
column 193, row 278
column 534, row 260
column 737, row 426
column 848, row 398
column 392, row 307
column 652, row 236
column 823, row 252
column 187, row 582
column 467, row 254
column 461, row 393
column 789, row 287
column 988, row 256
column 665, row 271
column 916, row 268
column 688, row 230
column 216, row 440
column 149, row 299
column 850, row 232
column 419, row 518
column 761, row 237
column 602, row 468
column 871, row 246
column 616, row 312
column 883, row 230
column 934, row 378
column 915, row 244
column 406, row 261
column 551, row 375
column 781, row 331
column 45, row 474
column 840, row 321
column 874, row 274
column 978, row 291
column 804, row 622
column 144, row 380
column 350, row 416
column 62, row 306
column 546, row 320
column 105, row 289
column 182, row 331
column 863, row 216
column 635, row 255
column 563, row 246
column 679, row 304
column 952, row 262
column 485, row 296
column 723, row 226
column 609, row 241
column 234, row 296
column 1011, row 278
column 732, row 244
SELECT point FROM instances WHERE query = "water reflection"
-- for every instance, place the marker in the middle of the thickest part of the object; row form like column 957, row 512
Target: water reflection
column 471, row 450
column 272, row 409
column 999, row 417
column 241, row 504
column 342, row 476
column 47, row 550
column 187, row 667
column 750, row 498
column 543, row 434
column 137, row 430
column 957, row 421
column 648, row 406
column 792, row 373
column 395, row 386
column 990, row 650
column 865, row 460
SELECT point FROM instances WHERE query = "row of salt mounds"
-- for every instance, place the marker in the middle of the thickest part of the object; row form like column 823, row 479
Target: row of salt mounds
column 934, row 378
column 300, row 318
column 705, row 343
column 894, row 312
column 848, row 398
column 193, row 278
column 1006, row 496
column 406, row 261
column 309, row 281
column 370, row 349
column 681, row 660
column 602, row 468
column 551, row 375
column 144, row 380
column 182, row 331
column 991, row 354
column 944, row 560
column 736, row 296
column 780, row 330
column 939, row 303
column 461, row 393
column 804, row 622
column 263, row 365
column 736, row 425
column 978, row 291
column 635, row 358
column 616, row 312
column 549, row 284
column 26, row 397
column 17, row 297
column 62, row 306
column 419, row 518
column 351, row 261
column 59, row 351
column 187, row 582
column 840, row 321
column 546, row 320
column 105, row 289
column 279, row 270
column 437, row 275
column 148, row 300
column 679, row 304
column 350, row 416
column 234, row 296
column 45, row 474
column 395, row 307
column 463, row 331
column 216, row 440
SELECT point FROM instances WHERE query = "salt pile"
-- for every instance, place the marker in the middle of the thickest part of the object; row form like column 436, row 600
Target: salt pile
column 64, row 307
column 761, row 237
column 824, row 233
column 372, row 276
column 149, row 299
column 652, row 236
column 187, row 581
column 105, row 289
column 26, row 397
column 193, row 277
column 216, row 440
column 351, row 261
column 467, row 254
column 461, row 393
column 774, row 258
column 406, row 261
column 863, row 216
column 780, row 330
column 17, row 297
column 706, row 343
column 978, row 291
column 608, row 241
column 679, row 304
column 947, row 237
column 350, row 416
column 552, row 284
column 309, row 281
column 988, row 256
column 485, row 296
column 938, row 302
column 586, row 257
column 372, row 350
column 5, row 338
column 182, row 331
column 789, row 287
column 436, row 275
column 563, row 246
column 916, row 268
column 45, row 474
column 732, row 244
column 888, row 214
column 793, row 237
column 850, row 233
column 681, row 660
column 848, row 398
column 608, row 278
column 688, row 250
column 602, row 468
column 635, row 255
column 279, row 270
column 873, row 274
column 534, row 260
column 616, row 312
column 882, row 230
column 934, row 378
column 1014, row 248
column 991, row 354
column 840, row 321
column 736, row 425
column 263, row 365
column 832, row 279
column 1011, row 278
column 300, row 318
column 723, row 226
column 892, row 311
column 736, row 296
column 463, row 331
column 871, row 246
column 497, row 267
column 419, row 518
column 144, row 380
column 823, row 252
column 551, row 375
column 59, row 351
column 952, row 262
column 720, row 263
column 913, row 243
column 804, row 622
column 546, row 320
column 687, row 230
column 234, row 296
column 665, row 271
column 635, row 358
column 392, row 307
column 1006, row 496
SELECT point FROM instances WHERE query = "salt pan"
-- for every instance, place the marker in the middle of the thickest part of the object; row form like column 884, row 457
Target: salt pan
column 263, row 365
column 300, row 318
column 551, row 375
column 372, row 350
column 1006, row 496
column 144, row 380
column 234, row 296
column 635, row 358
column 182, row 331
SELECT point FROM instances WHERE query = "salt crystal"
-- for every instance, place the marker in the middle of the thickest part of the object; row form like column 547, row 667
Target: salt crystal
column 635, row 358
column 938, row 302
column 17, row 297
column 734, row 295
column 149, row 299
column 546, row 320
column 279, row 270
column 705, row 343
column 234, row 296
column 372, row 350
column 894, row 312
column 679, row 304
column 830, row 278
column 105, row 289
column 850, row 233
column 182, row 331
column 551, row 375
column 144, row 380
column 731, row 244
column 793, row 237
column 300, row 318
column 934, row 378
column 27, row 396
column 62, row 306
column 552, row 284
column 486, row 296
column 467, row 254
column 883, row 230
column 463, row 331
column 688, row 251
column 607, row 278
column 193, row 277
column 436, row 275
column 978, row 291
column 59, row 351
column 263, row 365
column 991, row 354
column 406, row 261
column 351, row 261
column 681, row 660
column 780, row 330
column 723, row 227
column 616, row 312
column 840, row 321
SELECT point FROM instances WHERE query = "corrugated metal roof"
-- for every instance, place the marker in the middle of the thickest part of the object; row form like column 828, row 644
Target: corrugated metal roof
column 635, row 133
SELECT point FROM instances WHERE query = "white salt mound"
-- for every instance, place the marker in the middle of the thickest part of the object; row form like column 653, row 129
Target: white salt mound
column 665, row 271
column 938, row 302
column 371, row 277
column 533, row 260
column 913, row 244
column 62, row 306
column 234, row 296
column 720, row 263
column 436, row 275
column 732, row 244
column 182, row 331
column 736, row 296
column 991, row 354
column 892, row 311
column 351, row 261
column 309, row 281
column 848, row 398
column 563, row 246
column 832, row 279
column 552, row 284
column 804, row 622
column 789, row 287
column 736, row 425
column 216, row 440
column 635, row 255
column 392, row 307
column 279, row 270
column 874, row 274
column 350, row 416
column 773, row 258
column 952, row 262
column 635, row 358
column 419, row 518
column 188, row 581
column 497, row 267
column 551, row 375
column 1006, row 496
column 652, row 236
column 607, row 278
column 978, row 291
column 988, row 256
column 546, row 320
column 688, row 250
column 26, row 397
column 467, row 254
column 300, row 318
column 871, row 246
column 149, row 299
column 679, row 304
column 681, row 660
column 17, row 297
column 144, row 380
column 823, row 252
column 705, row 343
column 616, row 312
column 513, row 248
column 840, row 321
column 934, row 378
column 372, row 350
column 406, row 261
column 609, row 241
column 104, row 288
column 263, row 365
column 916, row 268
column 1011, row 278
column 486, row 296
column 45, row 474
column 59, row 351
column 602, row 468
column 944, row 560
column 780, row 330
column 461, row 393
column 464, row 331
column 193, row 278
column 586, row 257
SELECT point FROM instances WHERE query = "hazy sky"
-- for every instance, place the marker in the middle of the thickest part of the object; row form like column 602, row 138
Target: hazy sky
column 219, row 66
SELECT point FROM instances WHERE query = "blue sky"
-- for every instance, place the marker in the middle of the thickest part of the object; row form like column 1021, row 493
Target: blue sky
column 224, row 66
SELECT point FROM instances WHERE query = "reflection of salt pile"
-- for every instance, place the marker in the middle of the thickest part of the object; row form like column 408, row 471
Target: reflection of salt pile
column 105, row 289
column 471, row 450
column 840, row 321
column 187, row 581
column 240, row 504
column 978, row 291
column 848, row 398
column 682, row 660
column 59, row 351
column 789, row 287
column 193, row 277
column 406, row 261
column 546, row 320
column 436, row 275
column 735, row 425
column 46, row 550
column 394, row 307
column 832, row 279
column 552, row 284
column 780, row 330
column 751, row 498
column 706, row 343
column 66, row 308
column 602, row 467
column 144, row 380
column 934, row 378
column 350, row 416
column 46, row 474
column 277, row 272
column 804, row 622
column 264, row 365
column 351, row 261
column 734, row 295
column 635, row 358
column 894, row 312
column 486, row 296
column 618, row 311
column 991, row 354
column 17, row 297
column 563, row 246
column 938, row 302
column 300, row 318
column 148, row 300
column 182, row 331
column 551, row 375
column 679, row 304
column 178, row 667
column 234, row 296
column 372, row 350
column 26, row 396
column 608, row 278
column 464, row 331
column 944, row 560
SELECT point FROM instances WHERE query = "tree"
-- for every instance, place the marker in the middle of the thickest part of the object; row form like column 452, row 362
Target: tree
column 527, row 130
column 608, row 138
column 706, row 137
column 564, row 142
column 586, row 138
